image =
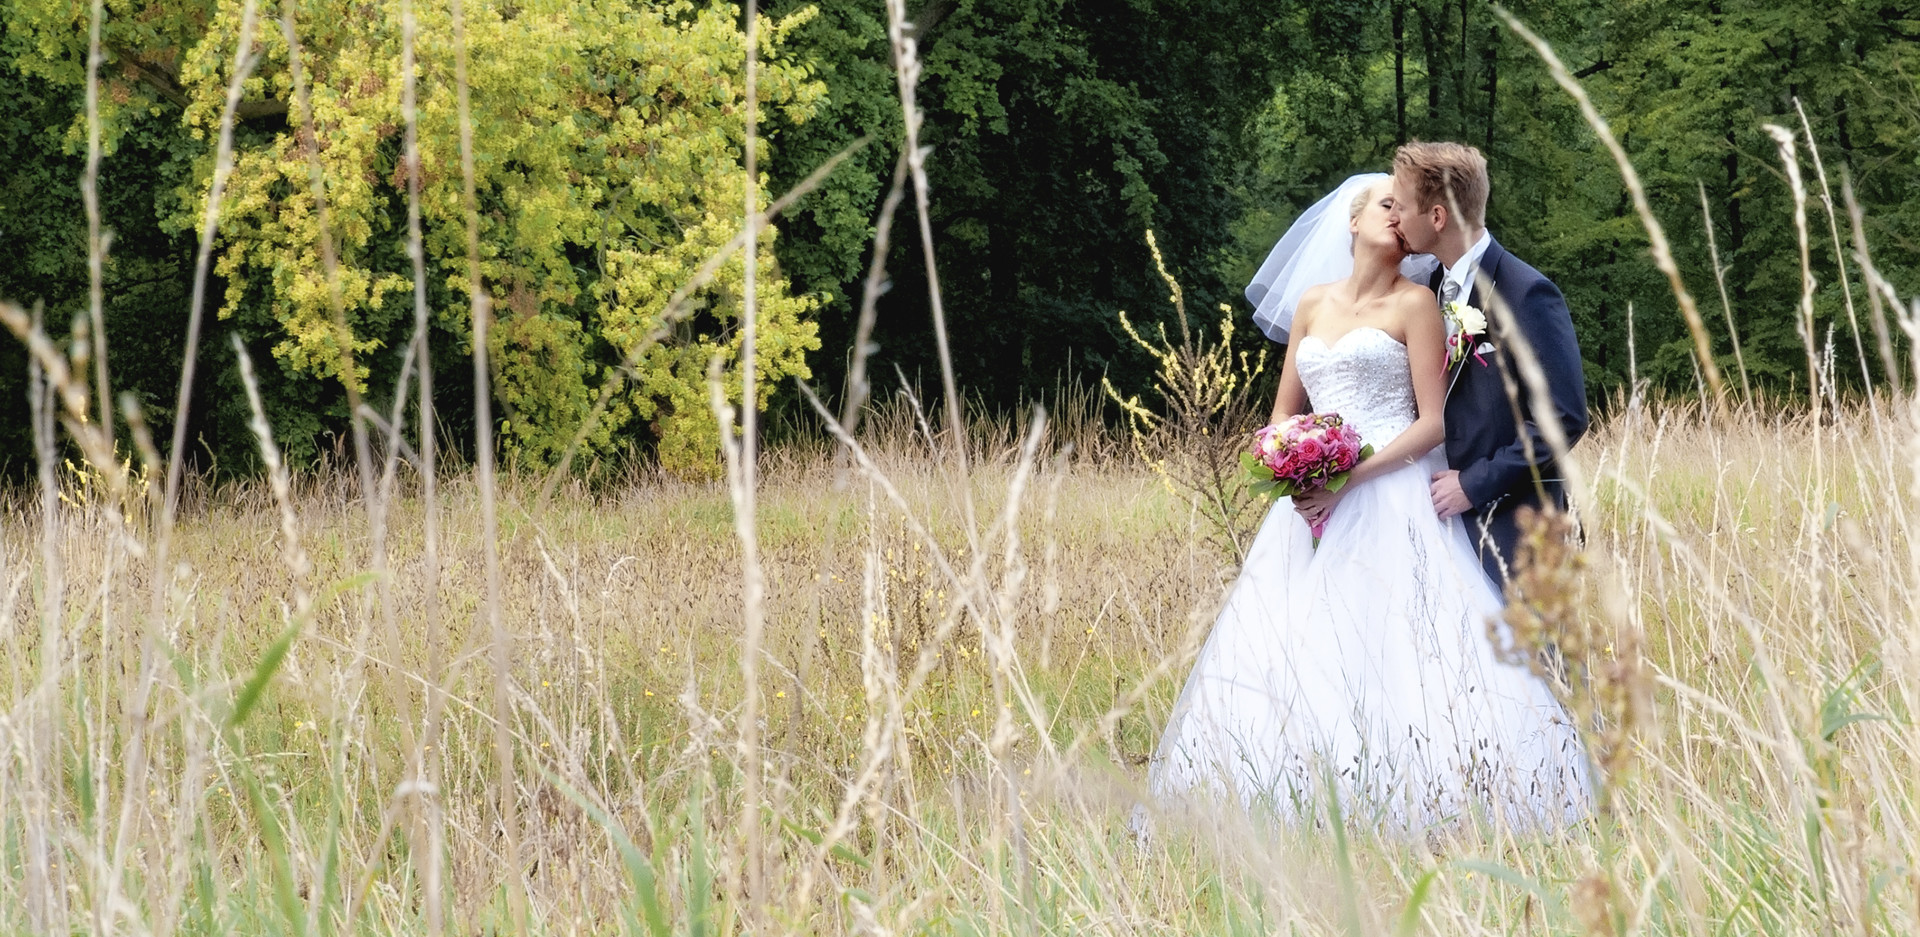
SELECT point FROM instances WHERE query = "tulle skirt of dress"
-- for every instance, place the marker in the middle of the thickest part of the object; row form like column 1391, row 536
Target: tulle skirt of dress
column 1364, row 667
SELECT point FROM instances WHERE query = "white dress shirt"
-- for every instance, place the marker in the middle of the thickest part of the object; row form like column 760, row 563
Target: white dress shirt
column 1460, row 275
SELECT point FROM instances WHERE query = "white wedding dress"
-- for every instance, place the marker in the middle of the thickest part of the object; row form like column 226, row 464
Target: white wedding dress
column 1364, row 666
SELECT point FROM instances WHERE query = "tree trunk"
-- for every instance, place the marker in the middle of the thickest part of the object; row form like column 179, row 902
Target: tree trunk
column 1460, row 79
column 1736, row 228
column 1427, row 42
column 1493, row 81
column 1399, row 72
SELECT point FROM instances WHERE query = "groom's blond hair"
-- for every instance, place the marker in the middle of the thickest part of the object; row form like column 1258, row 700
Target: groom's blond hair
column 1450, row 174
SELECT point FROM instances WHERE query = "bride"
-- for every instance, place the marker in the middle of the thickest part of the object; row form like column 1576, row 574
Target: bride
column 1362, row 666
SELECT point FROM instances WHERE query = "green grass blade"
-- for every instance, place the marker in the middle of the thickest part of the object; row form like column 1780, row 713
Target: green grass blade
column 262, row 675
column 1500, row 873
column 1410, row 916
column 646, row 888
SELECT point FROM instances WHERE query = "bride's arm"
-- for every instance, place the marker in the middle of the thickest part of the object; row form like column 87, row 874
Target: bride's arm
column 1427, row 357
column 1292, row 397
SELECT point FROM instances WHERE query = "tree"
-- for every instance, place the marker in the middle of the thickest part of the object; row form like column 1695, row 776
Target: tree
column 609, row 140
column 1061, row 131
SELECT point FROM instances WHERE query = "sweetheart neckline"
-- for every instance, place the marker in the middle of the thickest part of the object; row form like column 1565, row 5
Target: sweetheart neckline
column 1330, row 346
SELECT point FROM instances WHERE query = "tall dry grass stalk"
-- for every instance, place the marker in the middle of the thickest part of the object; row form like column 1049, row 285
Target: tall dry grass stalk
column 955, row 650
column 742, row 457
column 506, row 778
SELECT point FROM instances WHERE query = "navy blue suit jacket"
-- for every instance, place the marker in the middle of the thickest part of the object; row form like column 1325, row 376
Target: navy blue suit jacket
column 1487, row 441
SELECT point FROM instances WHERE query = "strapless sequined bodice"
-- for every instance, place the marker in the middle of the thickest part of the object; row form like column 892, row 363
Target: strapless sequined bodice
column 1364, row 377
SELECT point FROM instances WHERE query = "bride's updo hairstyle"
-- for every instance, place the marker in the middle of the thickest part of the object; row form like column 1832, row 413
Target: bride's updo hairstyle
column 1450, row 174
column 1359, row 204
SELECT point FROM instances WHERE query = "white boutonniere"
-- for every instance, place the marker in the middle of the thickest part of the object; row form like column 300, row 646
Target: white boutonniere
column 1464, row 324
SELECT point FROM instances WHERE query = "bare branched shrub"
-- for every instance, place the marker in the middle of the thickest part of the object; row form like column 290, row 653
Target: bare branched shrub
column 1209, row 401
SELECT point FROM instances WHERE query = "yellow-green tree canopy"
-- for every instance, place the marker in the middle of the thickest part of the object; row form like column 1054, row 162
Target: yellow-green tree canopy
column 608, row 155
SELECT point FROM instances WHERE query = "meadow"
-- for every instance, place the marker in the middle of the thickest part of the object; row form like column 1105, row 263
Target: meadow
column 905, row 677
column 954, row 714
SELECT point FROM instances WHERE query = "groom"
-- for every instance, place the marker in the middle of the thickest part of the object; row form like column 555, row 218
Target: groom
column 1497, row 458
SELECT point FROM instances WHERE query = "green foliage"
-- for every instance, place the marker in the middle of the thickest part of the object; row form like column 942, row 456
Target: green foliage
column 609, row 141
column 45, row 260
column 608, row 144
column 1687, row 87
column 1059, row 130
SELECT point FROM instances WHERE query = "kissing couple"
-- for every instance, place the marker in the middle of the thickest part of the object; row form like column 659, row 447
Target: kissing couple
column 1364, row 664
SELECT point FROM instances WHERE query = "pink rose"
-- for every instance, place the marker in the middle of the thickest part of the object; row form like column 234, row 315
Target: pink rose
column 1299, row 466
column 1266, row 442
column 1312, row 448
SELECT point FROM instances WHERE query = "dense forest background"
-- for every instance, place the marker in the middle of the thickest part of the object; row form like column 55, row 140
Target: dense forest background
column 610, row 137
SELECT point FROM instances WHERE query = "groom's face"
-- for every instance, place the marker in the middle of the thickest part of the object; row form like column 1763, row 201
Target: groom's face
column 1415, row 228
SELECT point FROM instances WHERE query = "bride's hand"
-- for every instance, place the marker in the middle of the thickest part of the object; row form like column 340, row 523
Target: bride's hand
column 1314, row 506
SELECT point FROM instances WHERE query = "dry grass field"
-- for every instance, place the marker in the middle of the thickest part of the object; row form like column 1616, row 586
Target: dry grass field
column 888, row 690
column 953, row 715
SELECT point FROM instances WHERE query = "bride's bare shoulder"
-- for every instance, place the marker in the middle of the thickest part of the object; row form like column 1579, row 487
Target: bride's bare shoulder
column 1310, row 300
column 1404, row 288
column 1414, row 305
column 1412, row 297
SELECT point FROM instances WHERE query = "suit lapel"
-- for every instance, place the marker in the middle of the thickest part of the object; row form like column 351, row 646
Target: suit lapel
column 1489, row 264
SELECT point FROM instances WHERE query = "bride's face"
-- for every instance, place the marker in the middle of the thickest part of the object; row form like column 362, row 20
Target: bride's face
column 1371, row 227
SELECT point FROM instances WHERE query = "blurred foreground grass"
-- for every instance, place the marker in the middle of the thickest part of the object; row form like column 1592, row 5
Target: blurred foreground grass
column 955, row 717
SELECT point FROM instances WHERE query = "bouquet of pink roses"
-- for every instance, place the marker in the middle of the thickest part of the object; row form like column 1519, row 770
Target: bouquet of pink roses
column 1304, row 452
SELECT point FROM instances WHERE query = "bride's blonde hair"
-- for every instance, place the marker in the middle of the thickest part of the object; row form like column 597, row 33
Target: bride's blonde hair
column 1360, row 200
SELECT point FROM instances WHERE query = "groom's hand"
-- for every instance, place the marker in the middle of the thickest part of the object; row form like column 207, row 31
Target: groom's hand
column 1448, row 498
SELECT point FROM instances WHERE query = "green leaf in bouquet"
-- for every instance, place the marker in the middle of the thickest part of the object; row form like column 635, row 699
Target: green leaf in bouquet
column 1254, row 467
column 1337, row 482
column 1366, row 451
